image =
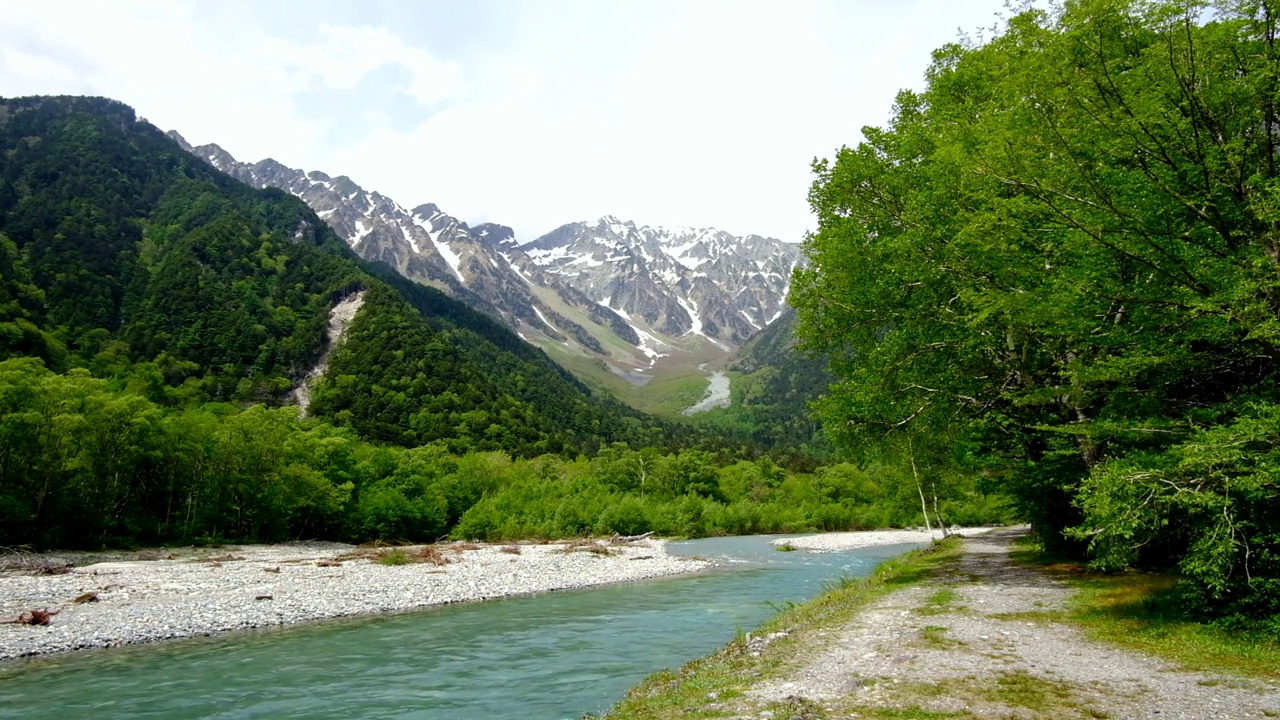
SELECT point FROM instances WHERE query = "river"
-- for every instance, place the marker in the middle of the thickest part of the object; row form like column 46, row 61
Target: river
column 552, row 656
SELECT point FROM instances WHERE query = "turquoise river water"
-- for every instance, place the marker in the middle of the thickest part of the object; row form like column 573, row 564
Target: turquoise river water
column 544, row 657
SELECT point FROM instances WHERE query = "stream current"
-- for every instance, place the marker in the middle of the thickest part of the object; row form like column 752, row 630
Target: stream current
column 543, row 657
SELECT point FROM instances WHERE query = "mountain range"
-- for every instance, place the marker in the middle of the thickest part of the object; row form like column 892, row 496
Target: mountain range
column 124, row 255
column 621, row 294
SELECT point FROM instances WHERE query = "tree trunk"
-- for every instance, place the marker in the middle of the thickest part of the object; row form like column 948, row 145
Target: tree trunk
column 924, row 508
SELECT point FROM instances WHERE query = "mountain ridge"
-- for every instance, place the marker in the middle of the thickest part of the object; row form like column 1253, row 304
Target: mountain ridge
column 125, row 256
column 662, row 292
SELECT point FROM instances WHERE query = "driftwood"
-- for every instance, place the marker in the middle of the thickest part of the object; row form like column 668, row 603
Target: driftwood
column 624, row 539
column 24, row 559
column 33, row 617
column 86, row 598
column 221, row 559
column 587, row 546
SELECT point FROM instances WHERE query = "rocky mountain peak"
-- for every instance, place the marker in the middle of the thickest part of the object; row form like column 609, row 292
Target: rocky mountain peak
column 611, row 289
column 498, row 236
column 182, row 142
column 682, row 280
column 215, row 156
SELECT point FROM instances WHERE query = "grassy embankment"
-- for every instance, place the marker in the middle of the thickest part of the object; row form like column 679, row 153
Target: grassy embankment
column 727, row 673
column 1139, row 611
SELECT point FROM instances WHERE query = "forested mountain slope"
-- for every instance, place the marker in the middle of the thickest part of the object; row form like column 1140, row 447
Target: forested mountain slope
column 608, row 297
column 772, row 390
column 125, row 255
column 157, row 317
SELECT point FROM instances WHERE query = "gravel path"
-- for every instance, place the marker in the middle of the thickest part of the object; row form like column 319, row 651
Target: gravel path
column 962, row 643
column 159, row 595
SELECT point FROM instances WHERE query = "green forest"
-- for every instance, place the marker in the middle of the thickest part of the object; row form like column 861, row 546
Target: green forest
column 1075, row 227
column 155, row 316
column 84, row 464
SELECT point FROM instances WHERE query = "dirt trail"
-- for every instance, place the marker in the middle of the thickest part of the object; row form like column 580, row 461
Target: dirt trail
column 968, row 642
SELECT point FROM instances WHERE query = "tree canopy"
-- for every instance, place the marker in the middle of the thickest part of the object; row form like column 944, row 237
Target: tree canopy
column 1059, row 266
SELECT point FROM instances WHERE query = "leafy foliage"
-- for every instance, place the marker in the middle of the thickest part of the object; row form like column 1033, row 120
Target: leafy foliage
column 1072, row 243
column 85, row 465
column 770, row 399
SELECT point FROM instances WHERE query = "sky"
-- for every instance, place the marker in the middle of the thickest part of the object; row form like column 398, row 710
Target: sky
column 529, row 114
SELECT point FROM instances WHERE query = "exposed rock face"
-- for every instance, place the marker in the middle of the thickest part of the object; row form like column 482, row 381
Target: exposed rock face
column 607, row 288
column 423, row 244
column 679, row 280
column 340, row 317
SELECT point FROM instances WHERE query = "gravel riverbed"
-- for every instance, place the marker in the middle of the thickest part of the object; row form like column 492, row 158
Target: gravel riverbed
column 159, row 595
column 831, row 542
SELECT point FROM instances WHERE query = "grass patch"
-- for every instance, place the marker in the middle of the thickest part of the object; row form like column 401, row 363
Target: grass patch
column 1031, row 616
column 905, row 713
column 786, row 547
column 1023, row 690
column 943, row 601
column 1019, row 692
column 394, row 556
column 935, row 637
column 1137, row 610
column 698, row 689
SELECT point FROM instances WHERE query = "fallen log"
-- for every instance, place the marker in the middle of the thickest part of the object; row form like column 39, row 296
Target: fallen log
column 624, row 539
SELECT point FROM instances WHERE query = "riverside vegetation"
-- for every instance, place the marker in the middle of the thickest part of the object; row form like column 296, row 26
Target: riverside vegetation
column 1076, row 241
column 86, row 465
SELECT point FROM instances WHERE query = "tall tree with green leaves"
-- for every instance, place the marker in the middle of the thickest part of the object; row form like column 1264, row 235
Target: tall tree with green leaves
column 1063, row 257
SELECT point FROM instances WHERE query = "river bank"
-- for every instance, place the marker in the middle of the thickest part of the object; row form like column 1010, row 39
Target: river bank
column 836, row 541
column 129, row 598
column 960, row 629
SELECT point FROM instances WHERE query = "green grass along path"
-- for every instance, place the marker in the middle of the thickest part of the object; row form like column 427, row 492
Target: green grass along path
column 963, row 630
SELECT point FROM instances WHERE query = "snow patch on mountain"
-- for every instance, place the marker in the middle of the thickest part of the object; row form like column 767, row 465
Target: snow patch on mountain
column 649, row 286
column 693, row 313
column 678, row 281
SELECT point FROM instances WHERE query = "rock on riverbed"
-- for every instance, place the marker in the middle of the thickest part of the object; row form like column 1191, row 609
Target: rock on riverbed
column 134, row 598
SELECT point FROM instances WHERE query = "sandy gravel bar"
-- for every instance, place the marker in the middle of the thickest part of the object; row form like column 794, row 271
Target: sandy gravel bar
column 831, row 542
column 192, row 592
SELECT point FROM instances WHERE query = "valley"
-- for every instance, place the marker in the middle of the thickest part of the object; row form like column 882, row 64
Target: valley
column 607, row 299
column 1039, row 286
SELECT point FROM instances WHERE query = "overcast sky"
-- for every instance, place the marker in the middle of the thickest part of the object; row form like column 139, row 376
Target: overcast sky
column 529, row 114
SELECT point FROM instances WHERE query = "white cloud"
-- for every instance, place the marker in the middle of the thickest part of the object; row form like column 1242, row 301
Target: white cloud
column 712, row 119
column 343, row 56
column 693, row 113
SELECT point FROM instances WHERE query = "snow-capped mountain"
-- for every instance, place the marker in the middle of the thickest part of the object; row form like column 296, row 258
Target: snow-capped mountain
column 678, row 280
column 423, row 244
column 607, row 289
